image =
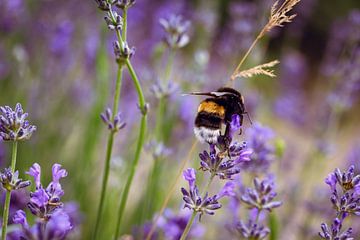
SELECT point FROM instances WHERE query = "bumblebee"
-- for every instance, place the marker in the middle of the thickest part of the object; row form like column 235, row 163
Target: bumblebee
column 215, row 111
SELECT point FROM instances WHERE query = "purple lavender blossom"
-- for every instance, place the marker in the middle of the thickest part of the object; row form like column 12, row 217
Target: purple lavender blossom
column 113, row 125
column 218, row 163
column 262, row 196
column 124, row 4
column 349, row 201
column 11, row 181
column 13, row 124
column 205, row 204
column 53, row 222
column 57, row 227
column 43, row 202
column 252, row 230
column 225, row 168
column 259, row 140
column 334, row 231
column 345, row 202
column 176, row 31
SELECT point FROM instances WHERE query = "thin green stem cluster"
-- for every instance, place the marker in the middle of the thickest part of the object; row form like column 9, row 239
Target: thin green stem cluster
column 121, row 38
column 8, row 194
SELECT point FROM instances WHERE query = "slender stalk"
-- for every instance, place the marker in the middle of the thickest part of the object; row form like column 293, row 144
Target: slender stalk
column 124, row 31
column 137, row 83
column 125, row 193
column 8, row 193
column 191, row 220
column 104, row 182
column 109, row 150
column 188, row 226
column 13, row 156
column 141, row 138
column 171, row 191
column 259, row 36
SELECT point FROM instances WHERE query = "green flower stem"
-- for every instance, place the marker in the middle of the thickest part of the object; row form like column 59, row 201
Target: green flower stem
column 8, row 193
column 141, row 138
column 125, row 193
column 137, row 84
column 188, row 226
column 109, row 150
column 190, row 222
column 13, row 156
column 124, row 32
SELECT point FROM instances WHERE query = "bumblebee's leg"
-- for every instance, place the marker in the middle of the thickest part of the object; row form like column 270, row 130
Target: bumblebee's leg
column 241, row 123
column 224, row 141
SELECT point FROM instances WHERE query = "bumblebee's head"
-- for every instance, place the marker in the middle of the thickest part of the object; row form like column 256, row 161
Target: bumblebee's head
column 232, row 94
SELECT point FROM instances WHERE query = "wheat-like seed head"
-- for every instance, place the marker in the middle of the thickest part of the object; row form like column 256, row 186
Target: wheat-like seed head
column 278, row 15
column 257, row 70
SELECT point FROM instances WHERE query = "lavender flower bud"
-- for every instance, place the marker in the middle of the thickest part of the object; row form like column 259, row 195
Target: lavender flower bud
column 122, row 52
column 124, row 4
column 114, row 21
column 13, row 124
column 176, row 31
column 114, row 125
column 103, row 5
column 252, row 230
column 334, row 232
column 261, row 197
column 144, row 110
column 11, row 181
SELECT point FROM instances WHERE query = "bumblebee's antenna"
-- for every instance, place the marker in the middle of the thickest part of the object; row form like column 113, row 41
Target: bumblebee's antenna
column 248, row 115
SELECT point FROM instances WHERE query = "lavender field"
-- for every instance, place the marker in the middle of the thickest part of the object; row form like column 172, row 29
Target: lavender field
column 214, row 120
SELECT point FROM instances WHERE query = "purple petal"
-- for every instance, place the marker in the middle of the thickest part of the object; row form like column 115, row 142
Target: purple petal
column 35, row 171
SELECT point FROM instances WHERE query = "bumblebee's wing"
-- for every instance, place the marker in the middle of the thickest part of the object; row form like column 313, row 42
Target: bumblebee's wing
column 212, row 94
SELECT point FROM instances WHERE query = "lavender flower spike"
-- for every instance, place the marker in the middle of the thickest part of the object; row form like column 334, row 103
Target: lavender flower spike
column 222, row 166
column 262, row 196
column 334, row 232
column 45, row 201
column 11, row 181
column 252, row 230
column 345, row 202
column 13, row 124
column 176, row 28
column 113, row 125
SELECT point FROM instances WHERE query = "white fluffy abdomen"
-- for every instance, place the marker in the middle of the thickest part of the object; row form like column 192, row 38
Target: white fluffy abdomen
column 206, row 134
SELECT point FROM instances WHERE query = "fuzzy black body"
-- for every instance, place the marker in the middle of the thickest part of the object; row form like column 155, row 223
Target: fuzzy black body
column 215, row 111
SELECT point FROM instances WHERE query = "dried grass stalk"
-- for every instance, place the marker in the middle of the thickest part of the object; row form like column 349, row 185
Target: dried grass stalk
column 278, row 15
column 258, row 70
